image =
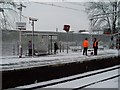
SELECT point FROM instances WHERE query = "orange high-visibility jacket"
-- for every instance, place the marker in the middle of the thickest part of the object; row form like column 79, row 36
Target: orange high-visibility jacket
column 85, row 43
column 95, row 44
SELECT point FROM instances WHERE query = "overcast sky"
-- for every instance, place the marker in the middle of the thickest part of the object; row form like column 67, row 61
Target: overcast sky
column 52, row 17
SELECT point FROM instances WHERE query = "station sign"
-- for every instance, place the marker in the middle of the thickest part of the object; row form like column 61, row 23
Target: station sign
column 21, row 25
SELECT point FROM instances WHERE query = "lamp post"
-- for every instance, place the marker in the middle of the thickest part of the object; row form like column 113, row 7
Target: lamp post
column 32, row 20
column 91, row 30
column 118, row 46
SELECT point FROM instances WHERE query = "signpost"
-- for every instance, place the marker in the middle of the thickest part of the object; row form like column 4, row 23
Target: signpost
column 67, row 28
column 20, row 26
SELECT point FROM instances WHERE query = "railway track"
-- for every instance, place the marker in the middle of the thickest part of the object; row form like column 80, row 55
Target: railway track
column 74, row 79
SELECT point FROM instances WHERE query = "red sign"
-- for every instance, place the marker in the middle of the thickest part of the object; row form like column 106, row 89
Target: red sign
column 66, row 28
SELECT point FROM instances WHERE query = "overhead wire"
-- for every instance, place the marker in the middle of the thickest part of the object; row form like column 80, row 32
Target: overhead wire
column 77, row 3
column 15, row 5
column 54, row 5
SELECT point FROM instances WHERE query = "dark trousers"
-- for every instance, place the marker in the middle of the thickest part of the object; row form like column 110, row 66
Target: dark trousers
column 55, row 50
column 85, row 51
column 30, row 52
column 95, row 50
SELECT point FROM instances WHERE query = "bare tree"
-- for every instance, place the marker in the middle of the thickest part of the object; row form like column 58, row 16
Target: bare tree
column 104, row 14
column 9, row 14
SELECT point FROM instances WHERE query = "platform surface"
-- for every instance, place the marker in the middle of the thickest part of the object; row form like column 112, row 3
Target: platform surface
column 14, row 62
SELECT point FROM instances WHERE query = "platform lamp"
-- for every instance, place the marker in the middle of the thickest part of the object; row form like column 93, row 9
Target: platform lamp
column 32, row 21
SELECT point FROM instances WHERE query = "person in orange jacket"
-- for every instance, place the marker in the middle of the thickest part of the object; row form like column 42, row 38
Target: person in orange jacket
column 85, row 45
column 95, row 46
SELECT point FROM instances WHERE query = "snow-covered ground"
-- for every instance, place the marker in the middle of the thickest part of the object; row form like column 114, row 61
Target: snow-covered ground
column 104, row 78
column 13, row 62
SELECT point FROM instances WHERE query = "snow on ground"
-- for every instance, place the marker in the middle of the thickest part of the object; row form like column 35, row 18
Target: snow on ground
column 13, row 62
column 85, row 80
column 91, row 79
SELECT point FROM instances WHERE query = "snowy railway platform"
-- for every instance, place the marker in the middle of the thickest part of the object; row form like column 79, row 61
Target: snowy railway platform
column 14, row 62
column 22, row 71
